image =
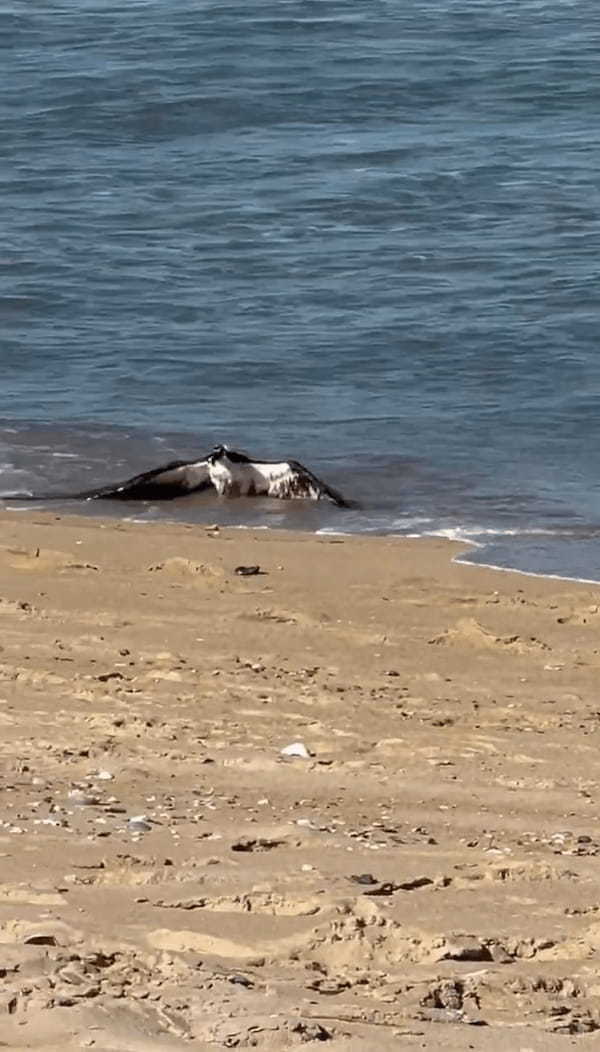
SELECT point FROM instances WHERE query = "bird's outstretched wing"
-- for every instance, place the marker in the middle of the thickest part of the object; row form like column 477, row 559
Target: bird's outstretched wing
column 175, row 479
column 289, row 479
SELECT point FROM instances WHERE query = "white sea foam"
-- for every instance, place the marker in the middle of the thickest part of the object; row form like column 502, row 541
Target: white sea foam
column 523, row 573
column 30, row 507
column 468, row 533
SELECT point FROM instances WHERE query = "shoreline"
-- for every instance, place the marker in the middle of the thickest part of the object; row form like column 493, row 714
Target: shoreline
column 526, row 573
column 424, row 869
column 457, row 547
column 465, row 542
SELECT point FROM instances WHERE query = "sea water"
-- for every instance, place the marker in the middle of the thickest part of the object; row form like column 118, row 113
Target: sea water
column 365, row 235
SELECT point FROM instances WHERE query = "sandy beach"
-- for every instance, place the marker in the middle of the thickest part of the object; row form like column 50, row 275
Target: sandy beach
column 424, row 875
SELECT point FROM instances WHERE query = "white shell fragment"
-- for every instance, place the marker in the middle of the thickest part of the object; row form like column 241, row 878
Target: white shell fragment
column 296, row 749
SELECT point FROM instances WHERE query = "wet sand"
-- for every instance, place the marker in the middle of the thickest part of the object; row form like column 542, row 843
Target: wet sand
column 424, row 877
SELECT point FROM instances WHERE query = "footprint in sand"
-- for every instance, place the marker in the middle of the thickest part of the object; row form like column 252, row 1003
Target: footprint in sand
column 38, row 560
column 323, row 623
column 23, row 895
column 187, row 569
column 470, row 631
column 265, row 902
column 585, row 615
column 20, row 608
column 278, row 617
column 42, row 933
column 201, row 942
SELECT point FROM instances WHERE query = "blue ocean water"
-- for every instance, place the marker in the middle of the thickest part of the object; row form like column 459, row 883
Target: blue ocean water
column 366, row 235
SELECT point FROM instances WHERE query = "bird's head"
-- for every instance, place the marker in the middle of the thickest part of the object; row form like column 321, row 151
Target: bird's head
column 218, row 453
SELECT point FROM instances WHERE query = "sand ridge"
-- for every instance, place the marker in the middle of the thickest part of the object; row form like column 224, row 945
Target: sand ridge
column 426, row 877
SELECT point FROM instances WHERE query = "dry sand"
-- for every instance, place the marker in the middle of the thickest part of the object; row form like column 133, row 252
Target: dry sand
column 427, row 878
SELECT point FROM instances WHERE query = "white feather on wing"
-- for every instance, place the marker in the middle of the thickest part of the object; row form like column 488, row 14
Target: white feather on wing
column 288, row 479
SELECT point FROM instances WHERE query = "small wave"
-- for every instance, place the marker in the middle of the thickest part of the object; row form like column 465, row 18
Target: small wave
column 525, row 531
column 468, row 533
column 407, row 521
column 451, row 533
column 523, row 573
column 30, row 507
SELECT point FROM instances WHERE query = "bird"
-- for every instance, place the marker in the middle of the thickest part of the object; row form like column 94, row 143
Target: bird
column 235, row 474
column 230, row 473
